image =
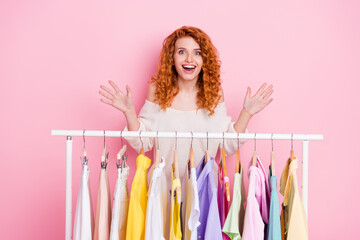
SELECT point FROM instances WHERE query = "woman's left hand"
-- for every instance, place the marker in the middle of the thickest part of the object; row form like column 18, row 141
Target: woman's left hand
column 256, row 103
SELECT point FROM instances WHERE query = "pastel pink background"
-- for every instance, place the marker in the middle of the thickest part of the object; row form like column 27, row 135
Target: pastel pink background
column 55, row 54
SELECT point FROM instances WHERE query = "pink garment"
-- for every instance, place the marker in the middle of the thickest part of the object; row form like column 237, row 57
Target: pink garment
column 103, row 210
column 257, row 205
column 224, row 205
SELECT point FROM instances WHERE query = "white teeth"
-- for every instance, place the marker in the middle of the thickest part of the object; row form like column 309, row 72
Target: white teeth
column 188, row 67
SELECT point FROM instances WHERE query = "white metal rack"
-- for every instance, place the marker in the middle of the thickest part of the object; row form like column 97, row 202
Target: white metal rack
column 305, row 138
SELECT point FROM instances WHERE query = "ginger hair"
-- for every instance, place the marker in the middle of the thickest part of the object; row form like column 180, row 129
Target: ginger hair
column 165, row 79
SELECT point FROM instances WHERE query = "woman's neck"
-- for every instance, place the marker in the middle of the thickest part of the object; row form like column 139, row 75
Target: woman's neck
column 187, row 96
column 188, row 86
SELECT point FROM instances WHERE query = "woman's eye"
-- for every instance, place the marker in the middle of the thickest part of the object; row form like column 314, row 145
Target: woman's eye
column 181, row 51
column 197, row 53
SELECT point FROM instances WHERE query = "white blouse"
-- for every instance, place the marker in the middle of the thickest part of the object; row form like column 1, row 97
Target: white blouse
column 84, row 218
column 120, row 205
column 156, row 210
column 192, row 208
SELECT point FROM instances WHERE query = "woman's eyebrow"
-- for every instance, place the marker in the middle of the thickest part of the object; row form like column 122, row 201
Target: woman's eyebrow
column 185, row 48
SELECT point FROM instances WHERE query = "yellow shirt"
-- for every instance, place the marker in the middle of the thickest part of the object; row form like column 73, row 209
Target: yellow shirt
column 175, row 224
column 294, row 222
column 135, row 229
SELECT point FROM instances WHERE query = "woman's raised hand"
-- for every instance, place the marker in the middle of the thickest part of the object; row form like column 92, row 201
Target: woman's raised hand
column 116, row 98
column 256, row 103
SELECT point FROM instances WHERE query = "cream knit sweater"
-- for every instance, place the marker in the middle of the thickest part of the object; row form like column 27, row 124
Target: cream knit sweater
column 152, row 118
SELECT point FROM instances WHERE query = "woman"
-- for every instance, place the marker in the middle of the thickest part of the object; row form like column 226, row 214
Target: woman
column 185, row 95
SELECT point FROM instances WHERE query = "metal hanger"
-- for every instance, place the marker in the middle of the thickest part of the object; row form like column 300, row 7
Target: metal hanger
column 207, row 153
column 105, row 155
column 191, row 158
column 176, row 170
column 121, row 154
column 254, row 159
column 292, row 155
column 272, row 157
column 84, row 159
column 157, row 151
column 237, row 164
column 223, row 161
column 142, row 144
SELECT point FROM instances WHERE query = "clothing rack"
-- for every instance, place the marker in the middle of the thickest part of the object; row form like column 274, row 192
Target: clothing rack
column 305, row 138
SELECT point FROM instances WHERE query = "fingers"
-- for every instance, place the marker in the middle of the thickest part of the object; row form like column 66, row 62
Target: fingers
column 267, row 94
column 269, row 88
column 248, row 92
column 108, row 96
column 116, row 88
column 267, row 103
column 263, row 105
column 261, row 89
column 128, row 91
column 106, row 101
column 108, row 90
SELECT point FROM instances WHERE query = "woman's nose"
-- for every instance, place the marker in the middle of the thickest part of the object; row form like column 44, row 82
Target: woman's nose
column 189, row 57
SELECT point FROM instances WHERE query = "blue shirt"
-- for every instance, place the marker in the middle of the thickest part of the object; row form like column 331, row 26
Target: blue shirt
column 210, row 227
column 274, row 229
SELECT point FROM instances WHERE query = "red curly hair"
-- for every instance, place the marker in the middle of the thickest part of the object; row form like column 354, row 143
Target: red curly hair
column 208, row 82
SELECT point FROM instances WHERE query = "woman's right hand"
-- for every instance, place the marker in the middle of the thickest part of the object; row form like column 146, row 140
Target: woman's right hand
column 117, row 99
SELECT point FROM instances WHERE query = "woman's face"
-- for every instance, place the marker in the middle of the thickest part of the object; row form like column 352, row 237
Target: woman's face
column 187, row 59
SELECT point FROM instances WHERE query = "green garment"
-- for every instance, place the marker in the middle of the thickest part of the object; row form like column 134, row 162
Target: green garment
column 234, row 222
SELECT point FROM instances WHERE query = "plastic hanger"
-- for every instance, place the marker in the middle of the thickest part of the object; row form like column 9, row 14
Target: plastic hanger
column 226, row 178
column 238, row 164
column 157, row 152
column 254, row 159
column 207, row 153
column 121, row 153
column 191, row 158
column 272, row 157
column 142, row 144
column 292, row 155
column 176, row 171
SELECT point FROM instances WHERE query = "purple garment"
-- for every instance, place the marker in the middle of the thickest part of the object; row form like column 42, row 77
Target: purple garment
column 210, row 227
column 224, row 205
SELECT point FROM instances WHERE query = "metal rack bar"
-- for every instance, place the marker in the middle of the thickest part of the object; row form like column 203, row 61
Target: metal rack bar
column 244, row 136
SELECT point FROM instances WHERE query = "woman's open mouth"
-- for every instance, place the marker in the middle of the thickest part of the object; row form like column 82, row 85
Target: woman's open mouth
column 189, row 68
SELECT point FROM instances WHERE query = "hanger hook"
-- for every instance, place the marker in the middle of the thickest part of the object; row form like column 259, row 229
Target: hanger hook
column 175, row 140
column 207, row 141
column 238, row 140
column 157, row 139
column 192, row 139
column 84, row 137
column 272, row 142
column 255, row 142
column 104, row 138
column 223, row 139
column 122, row 143
column 292, row 141
column 142, row 145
